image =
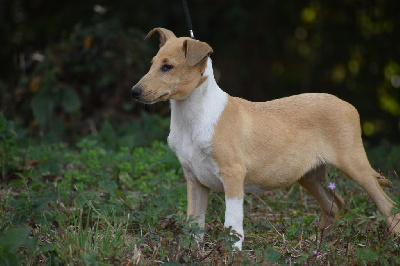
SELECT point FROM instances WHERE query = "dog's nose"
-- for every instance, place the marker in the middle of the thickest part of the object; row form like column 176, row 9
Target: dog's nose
column 136, row 92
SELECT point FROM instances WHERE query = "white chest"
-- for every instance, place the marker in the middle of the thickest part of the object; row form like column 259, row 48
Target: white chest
column 194, row 154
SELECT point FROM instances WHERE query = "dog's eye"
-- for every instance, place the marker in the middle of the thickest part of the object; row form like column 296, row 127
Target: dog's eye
column 166, row 68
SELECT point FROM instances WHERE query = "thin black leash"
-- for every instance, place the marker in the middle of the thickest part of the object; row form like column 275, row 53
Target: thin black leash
column 188, row 19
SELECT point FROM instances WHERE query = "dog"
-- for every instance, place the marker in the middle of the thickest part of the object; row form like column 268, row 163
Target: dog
column 235, row 146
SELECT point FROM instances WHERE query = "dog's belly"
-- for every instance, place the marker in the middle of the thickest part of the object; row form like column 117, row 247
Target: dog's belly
column 283, row 172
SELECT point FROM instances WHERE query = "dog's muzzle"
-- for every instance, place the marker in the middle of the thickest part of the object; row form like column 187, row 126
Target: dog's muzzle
column 136, row 92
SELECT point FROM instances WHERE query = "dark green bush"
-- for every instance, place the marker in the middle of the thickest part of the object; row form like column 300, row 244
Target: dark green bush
column 82, row 80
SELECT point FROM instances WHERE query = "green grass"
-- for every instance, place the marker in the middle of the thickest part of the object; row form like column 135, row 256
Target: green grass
column 100, row 202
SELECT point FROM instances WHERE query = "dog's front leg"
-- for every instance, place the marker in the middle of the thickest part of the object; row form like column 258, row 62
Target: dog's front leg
column 197, row 196
column 234, row 217
column 234, row 192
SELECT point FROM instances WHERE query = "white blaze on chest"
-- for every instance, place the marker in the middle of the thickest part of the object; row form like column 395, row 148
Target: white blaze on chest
column 192, row 128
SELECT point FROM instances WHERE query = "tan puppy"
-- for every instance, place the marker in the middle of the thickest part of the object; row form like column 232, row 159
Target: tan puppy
column 236, row 146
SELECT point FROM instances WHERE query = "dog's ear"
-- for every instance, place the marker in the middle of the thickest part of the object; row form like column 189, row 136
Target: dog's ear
column 196, row 51
column 165, row 35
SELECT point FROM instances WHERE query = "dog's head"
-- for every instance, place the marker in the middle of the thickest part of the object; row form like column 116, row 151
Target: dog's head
column 176, row 70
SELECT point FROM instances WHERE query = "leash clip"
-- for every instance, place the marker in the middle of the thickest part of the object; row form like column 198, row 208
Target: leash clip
column 187, row 17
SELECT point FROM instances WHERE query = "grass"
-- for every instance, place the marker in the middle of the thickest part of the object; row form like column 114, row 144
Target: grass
column 99, row 202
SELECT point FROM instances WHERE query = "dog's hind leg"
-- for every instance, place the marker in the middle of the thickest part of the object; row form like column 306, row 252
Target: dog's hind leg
column 356, row 166
column 331, row 203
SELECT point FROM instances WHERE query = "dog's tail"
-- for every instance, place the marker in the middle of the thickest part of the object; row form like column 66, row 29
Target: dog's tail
column 383, row 181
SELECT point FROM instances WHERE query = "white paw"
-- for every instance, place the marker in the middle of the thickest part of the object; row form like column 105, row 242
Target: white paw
column 238, row 244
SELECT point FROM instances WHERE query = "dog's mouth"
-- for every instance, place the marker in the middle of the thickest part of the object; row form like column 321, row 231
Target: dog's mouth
column 161, row 98
column 164, row 96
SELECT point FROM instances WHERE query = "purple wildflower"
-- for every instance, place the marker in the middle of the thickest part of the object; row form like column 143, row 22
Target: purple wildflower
column 332, row 185
column 315, row 252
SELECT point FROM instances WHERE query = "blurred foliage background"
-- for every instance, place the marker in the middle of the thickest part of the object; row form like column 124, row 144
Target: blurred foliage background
column 68, row 66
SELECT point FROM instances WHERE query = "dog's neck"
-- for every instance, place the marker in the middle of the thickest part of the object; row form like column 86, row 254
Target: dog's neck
column 204, row 105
